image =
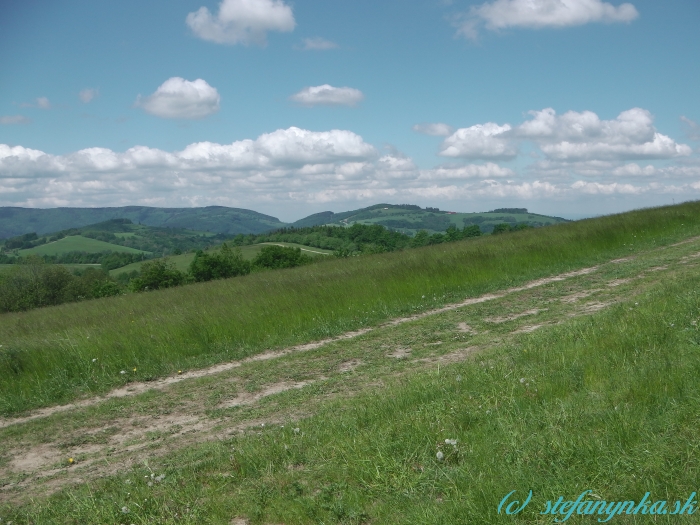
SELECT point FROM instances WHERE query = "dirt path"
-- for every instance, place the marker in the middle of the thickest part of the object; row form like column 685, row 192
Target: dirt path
column 108, row 434
column 135, row 388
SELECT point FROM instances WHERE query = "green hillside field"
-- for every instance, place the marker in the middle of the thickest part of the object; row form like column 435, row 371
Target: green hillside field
column 182, row 262
column 425, row 387
column 71, row 267
column 77, row 243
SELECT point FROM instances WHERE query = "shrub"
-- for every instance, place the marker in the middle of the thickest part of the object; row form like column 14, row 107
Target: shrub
column 501, row 228
column 157, row 274
column 221, row 265
column 274, row 257
column 33, row 283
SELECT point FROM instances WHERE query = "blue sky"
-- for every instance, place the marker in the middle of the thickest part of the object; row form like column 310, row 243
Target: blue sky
column 568, row 107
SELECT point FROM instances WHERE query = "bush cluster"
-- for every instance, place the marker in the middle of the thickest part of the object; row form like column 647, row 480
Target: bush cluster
column 360, row 238
column 505, row 227
column 34, row 283
column 227, row 262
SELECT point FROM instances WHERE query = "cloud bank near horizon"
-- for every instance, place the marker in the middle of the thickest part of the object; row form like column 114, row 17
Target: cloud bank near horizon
column 561, row 157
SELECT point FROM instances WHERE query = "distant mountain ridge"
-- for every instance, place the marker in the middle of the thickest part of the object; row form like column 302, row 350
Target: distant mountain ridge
column 408, row 218
column 216, row 219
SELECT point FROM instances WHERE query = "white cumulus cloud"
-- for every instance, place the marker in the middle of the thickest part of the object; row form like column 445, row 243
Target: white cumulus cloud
column 584, row 136
column 317, row 44
column 242, row 21
column 482, row 141
column 435, row 129
column 327, row 95
column 635, row 170
column 471, row 171
column 180, row 98
column 88, row 94
column 536, row 14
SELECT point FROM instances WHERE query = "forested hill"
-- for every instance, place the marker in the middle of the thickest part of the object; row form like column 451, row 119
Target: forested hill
column 410, row 218
column 215, row 219
column 406, row 218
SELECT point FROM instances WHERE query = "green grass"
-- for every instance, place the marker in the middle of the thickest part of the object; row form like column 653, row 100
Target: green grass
column 182, row 262
column 76, row 243
column 607, row 403
column 71, row 267
column 47, row 354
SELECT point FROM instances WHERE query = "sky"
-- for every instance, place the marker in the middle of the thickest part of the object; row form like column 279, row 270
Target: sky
column 572, row 108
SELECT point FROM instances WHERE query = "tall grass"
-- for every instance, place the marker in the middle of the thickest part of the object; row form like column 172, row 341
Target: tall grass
column 607, row 403
column 56, row 354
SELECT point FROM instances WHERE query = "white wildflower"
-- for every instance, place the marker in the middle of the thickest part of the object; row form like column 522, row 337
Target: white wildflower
column 452, row 442
column 125, row 510
column 522, row 380
column 440, row 456
column 94, row 360
column 123, row 372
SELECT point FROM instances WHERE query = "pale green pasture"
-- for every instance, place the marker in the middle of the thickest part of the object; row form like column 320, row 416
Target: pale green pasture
column 76, row 243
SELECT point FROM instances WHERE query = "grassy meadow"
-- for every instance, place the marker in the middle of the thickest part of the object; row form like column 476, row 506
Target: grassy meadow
column 76, row 243
column 603, row 397
column 47, row 354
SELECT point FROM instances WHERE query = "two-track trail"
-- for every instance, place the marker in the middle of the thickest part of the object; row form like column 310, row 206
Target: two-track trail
column 108, row 434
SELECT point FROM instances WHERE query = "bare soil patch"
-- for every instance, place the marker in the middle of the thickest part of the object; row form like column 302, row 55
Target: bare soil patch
column 400, row 353
column 513, row 317
column 465, row 328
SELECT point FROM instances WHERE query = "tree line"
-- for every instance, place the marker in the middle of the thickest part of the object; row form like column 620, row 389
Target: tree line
column 357, row 239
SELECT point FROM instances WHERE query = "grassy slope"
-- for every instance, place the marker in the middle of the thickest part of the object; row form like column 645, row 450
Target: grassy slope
column 47, row 352
column 607, row 403
column 76, row 243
